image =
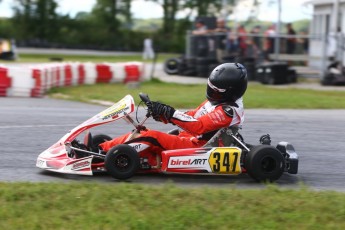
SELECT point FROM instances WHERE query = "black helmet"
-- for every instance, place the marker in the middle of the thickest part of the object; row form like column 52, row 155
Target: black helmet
column 227, row 83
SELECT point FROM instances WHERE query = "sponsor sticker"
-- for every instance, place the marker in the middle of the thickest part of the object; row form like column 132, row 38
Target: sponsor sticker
column 139, row 146
column 228, row 111
column 184, row 117
column 111, row 112
column 80, row 164
column 187, row 162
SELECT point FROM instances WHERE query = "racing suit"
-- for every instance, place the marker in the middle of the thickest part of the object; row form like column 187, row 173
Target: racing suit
column 198, row 125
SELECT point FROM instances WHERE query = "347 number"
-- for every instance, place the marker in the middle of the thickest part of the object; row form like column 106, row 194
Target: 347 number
column 225, row 162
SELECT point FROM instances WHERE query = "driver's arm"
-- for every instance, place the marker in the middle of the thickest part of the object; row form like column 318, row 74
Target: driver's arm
column 222, row 116
column 192, row 112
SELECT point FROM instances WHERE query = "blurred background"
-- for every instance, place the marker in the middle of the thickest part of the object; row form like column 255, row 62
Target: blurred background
column 305, row 33
column 123, row 24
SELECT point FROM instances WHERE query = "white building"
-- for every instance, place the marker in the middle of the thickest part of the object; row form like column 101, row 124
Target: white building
column 327, row 31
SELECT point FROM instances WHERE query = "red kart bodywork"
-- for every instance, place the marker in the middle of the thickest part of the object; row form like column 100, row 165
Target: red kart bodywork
column 262, row 162
column 56, row 158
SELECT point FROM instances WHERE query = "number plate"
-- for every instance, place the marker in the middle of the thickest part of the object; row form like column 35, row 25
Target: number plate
column 225, row 160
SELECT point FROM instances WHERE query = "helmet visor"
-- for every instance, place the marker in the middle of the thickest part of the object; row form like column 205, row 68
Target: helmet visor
column 215, row 94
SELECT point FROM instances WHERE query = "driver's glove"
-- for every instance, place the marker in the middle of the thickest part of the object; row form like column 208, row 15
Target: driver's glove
column 160, row 110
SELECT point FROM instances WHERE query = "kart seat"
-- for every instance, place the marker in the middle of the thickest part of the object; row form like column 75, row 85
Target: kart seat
column 88, row 141
column 223, row 137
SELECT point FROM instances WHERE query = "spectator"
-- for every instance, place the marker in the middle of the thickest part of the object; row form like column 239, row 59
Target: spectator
column 221, row 32
column 269, row 41
column 232, row 43
column 148, row 52
column 290, row 41
column 202, row 43
column 200, row 28
column 251, row 51
column 255, row 32
column 221, row 26
column 242, row 38
column 304, row 41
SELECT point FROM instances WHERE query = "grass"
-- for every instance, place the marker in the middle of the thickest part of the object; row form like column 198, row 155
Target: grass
column 133, row 206
column 189, row 96
column 130, row 206
column 42, row 58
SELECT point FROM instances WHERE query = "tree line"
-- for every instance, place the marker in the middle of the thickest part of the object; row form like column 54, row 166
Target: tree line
column 107, row 26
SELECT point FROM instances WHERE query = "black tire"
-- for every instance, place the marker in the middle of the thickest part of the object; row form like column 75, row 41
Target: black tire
column 264, row 163
column 171, row 66
column 205, row 61
column 98, row 139
column 292, row 76
column 191, row 62
column 202, row 71
column 189, row 72
column 328, row 79
column 269, row 79
column 122, row 162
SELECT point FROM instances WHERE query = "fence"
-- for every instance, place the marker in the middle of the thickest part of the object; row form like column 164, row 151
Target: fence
column 310, row 50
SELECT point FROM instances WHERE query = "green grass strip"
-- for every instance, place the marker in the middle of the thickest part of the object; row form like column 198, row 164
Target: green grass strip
column 129, row 206
column 190, row 96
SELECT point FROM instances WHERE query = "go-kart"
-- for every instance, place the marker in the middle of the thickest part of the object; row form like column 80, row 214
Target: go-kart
column 225, row 153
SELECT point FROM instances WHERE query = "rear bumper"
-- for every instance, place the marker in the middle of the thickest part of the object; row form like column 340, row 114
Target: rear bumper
column 290, row 155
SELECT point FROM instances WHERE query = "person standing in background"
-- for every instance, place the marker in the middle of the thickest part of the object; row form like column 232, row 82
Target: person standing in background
column 242, row 39
column 269, row 41
column 255, row 32
column 221, row 33
column 290, row 41
column 200, row 28
column 148, row 52
column 304, row 41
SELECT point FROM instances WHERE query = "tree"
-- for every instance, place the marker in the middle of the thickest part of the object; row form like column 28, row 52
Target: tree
column 203, row 7
column 107, row 13
column 125, row 10
column 36, row 19
column 170, row 9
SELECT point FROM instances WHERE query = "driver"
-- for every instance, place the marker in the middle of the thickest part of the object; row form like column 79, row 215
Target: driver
column 223, row 108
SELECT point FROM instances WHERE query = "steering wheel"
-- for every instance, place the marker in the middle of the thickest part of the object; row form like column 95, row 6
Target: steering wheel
column 145, row 98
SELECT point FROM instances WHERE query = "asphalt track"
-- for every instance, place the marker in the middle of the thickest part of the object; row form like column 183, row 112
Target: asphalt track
column 28, row 126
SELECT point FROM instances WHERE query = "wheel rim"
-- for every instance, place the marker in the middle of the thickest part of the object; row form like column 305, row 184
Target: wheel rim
column 122, row 162
column 268, row 164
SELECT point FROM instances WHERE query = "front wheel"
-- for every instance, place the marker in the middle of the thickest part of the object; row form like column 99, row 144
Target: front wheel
column 264, row 163
column 122, row 162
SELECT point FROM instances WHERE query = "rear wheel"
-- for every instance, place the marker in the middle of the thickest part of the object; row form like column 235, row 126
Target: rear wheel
column 122, row 162
column 264, row 163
